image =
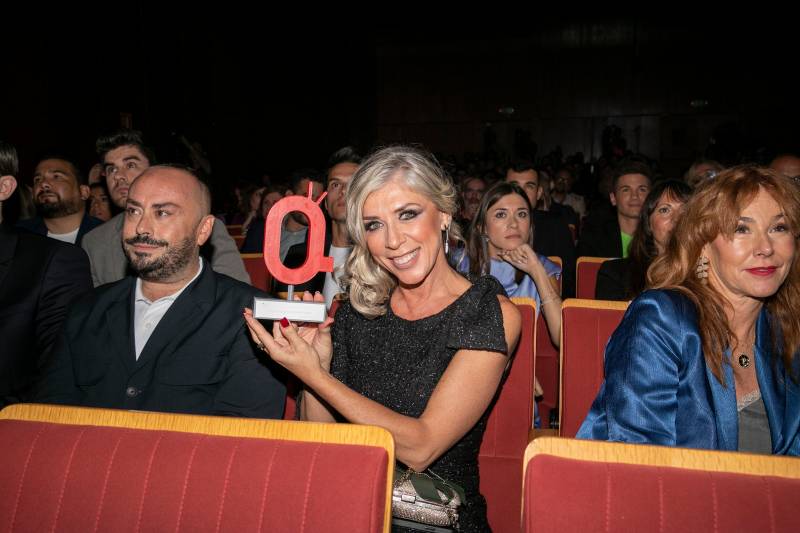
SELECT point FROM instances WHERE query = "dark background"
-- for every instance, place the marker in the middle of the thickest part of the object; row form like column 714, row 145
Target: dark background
column 269, row 94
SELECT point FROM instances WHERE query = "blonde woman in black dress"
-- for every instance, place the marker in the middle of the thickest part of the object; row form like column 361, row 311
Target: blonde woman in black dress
column 416, row 348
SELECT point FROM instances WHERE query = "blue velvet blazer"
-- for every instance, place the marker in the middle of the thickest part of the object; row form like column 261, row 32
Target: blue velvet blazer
column 658, row 389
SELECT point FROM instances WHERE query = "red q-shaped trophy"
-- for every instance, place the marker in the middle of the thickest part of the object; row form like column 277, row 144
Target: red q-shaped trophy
column 316, row 260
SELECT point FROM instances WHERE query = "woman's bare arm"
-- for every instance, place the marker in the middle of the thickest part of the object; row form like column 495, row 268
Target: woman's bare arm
column 450, row 412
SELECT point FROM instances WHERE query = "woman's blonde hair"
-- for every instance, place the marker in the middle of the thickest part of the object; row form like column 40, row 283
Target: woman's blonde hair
column 714, row 210
column 368, row 284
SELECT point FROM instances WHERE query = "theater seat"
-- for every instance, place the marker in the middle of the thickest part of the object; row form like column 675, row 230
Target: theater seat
column 578, row 485
column 80, row 469
column 586, row 326
column 546, row 364
column 503, row 446
column 586, row 270
column 260, row 277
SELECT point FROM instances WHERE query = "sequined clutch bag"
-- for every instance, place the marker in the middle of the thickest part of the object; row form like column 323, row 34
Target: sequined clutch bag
column 426, row 498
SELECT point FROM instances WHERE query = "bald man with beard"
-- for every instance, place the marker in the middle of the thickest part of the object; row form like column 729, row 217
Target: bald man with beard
column 171, row 338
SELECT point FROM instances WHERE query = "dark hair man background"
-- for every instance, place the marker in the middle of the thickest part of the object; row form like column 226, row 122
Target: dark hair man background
column 125, row 156
column 611, row 236
column 39, row 277
column 60, row 192
column 551, row 234
column 342, row 164
column 295, row 226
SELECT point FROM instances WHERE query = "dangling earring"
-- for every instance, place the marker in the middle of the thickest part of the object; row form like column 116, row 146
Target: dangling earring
column 701, row 271
column 447, row 239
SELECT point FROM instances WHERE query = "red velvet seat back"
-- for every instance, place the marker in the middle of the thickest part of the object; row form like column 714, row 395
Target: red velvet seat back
column 586, row 270
column 547, row 361
column 506, row 435
column 260, row 277
column 91, row 478
column 586, row 326
column 567, row 494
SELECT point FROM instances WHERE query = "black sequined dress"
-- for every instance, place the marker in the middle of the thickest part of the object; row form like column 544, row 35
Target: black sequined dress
column 398, row 363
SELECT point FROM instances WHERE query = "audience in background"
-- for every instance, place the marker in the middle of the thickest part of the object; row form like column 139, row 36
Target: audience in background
column 60, row 192
column 610, row 236
column 553, row 236
column 561, row 193
column 254, row 237
column 624, row 279
column 341, row 167
column 39, row 279
column 100, row 205
column 125, row 157
column 788, row 165
column 295, row 226
column 702, row 170
column 471, row 190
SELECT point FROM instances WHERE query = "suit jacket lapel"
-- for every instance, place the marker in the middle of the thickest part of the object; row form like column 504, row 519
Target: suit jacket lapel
column 119, row 319
column 724, row 398
column 179, row 319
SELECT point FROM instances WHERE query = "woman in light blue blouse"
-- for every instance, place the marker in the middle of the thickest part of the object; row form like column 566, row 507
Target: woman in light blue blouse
column 500, row 243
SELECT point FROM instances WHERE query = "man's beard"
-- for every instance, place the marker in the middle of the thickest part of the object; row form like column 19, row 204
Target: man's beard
column 59, row 208
column 162, row 268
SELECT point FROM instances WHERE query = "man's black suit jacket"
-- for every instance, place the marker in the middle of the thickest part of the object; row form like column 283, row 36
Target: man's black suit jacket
column 601, row 238
column 39, row 277
column 552, row 237
column 200, row 358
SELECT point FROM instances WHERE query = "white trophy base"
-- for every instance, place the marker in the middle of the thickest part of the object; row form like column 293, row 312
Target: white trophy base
column 292, row 310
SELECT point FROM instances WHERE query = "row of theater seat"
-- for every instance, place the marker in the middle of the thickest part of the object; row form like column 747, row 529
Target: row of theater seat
column 570, row 378
column 81, row 469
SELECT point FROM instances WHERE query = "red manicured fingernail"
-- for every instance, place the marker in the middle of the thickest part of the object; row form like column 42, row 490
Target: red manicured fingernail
column 284, row 322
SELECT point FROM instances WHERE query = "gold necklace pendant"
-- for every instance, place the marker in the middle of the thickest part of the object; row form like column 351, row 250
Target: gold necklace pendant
column 744, row 360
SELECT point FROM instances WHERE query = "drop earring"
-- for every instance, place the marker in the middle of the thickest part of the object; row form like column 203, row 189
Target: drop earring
column 701, row 271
